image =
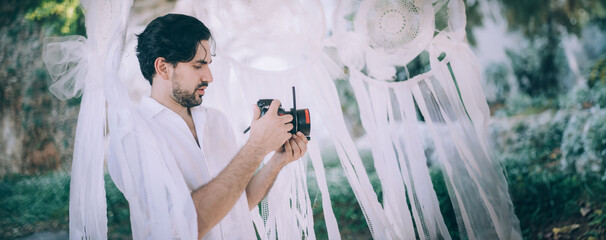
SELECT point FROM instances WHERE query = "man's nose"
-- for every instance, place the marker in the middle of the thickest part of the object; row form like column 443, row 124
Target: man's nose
column 207, row 76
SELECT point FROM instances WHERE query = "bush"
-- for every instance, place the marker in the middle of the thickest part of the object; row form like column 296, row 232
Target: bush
column 585, row 97
column 595, row 139
column 497, row 83
column 572, row 142
column 541, row 69
column 535, row 142
column 523, row 104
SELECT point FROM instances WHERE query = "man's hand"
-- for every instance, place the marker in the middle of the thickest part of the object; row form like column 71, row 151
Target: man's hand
column 261, row 183
column 292, row 149
column 269, row 132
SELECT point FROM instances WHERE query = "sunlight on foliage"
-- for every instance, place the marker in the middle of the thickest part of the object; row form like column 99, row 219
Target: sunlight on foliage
column 59, row 14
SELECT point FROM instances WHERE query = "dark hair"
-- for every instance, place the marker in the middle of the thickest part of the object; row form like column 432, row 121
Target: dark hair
column 175, row 37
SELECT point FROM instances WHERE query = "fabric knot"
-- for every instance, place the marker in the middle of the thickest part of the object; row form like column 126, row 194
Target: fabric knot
column 67, row 61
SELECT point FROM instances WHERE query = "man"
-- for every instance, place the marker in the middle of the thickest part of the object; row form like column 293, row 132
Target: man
column 174, row 53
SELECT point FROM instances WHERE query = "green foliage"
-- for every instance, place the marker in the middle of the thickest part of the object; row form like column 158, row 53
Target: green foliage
column 541, row 69
column 555, row 165
column 595, row 137
column 64, row 17
column 41, row 203
column 522, row 104
column 11, row 10
column 536, row 144
column 118, row 214
column 572, row 141
column 349, row 107
column 497, row 77
column 535, row 17
column 417, row 66
column 474, row 16
column 597, row 74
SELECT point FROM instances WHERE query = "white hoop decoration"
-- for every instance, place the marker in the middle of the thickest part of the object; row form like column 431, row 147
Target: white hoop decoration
column 402, row 28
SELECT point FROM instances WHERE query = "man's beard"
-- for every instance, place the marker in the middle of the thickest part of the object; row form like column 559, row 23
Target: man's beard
column 187, row 99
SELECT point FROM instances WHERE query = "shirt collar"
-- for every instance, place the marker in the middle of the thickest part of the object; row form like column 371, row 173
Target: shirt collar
column 152, row 106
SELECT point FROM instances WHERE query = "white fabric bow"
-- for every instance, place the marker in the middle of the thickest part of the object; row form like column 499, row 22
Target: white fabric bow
column 66, row 59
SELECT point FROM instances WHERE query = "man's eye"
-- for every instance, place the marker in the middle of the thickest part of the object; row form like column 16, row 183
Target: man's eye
column 197, row 67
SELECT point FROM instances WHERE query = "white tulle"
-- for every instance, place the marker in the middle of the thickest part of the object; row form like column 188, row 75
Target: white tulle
column 85, row 65
column 62, row 56
column 263, row 48
column 93, row 66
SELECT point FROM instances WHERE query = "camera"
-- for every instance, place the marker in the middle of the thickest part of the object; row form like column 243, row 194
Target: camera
column 301, row 119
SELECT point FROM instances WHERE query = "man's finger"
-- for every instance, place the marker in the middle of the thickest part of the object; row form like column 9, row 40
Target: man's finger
column 286, row 118
column 286, row 135
column 281, row 149
column 302, row 143
column 256, row 113
column 302, row 136
column 288, row 126
column 287, row 147
column 273, row 107
column 296, row 149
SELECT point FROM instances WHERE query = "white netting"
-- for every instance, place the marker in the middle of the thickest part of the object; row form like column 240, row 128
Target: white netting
column 80, row 65
column 63, row 56
column 392, row 25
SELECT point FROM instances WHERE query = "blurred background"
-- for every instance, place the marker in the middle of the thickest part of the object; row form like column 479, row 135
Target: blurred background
column 544, row 66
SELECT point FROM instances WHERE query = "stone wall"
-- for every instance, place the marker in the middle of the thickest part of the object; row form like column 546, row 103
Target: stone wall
column 37, row 128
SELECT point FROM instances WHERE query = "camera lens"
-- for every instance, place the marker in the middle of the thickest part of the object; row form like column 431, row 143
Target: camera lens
column 303, row 123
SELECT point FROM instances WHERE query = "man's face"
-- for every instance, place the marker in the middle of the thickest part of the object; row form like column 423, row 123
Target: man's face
column 190, row 79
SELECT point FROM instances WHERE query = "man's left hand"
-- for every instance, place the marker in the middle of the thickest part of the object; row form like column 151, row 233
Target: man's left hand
column 293, row 149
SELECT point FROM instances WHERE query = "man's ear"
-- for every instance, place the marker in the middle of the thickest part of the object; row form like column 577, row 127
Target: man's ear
column 162, row 68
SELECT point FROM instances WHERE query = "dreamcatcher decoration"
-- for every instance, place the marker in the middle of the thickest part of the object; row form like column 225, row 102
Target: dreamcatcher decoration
column 395, row 32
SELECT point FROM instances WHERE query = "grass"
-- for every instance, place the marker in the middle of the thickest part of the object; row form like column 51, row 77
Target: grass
column 547, row 200
column 32, row 204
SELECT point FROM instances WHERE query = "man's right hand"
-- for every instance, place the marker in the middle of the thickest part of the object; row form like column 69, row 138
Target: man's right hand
column 271, row 131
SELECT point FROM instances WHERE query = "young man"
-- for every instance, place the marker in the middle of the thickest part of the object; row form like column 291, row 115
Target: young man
column 174, row 53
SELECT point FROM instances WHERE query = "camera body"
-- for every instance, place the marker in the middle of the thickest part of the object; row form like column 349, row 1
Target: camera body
column 301, row 120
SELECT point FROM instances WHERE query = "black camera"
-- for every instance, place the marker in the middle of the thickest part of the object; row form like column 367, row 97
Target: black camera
column 301, row 119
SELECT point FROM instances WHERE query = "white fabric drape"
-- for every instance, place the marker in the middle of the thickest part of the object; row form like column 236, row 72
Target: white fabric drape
column 81, row 65
column 159, row 201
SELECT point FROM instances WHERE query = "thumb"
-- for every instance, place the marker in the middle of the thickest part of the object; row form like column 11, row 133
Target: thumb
column 256, row 113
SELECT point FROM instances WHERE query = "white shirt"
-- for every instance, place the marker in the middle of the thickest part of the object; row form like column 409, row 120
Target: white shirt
column 196, row 165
